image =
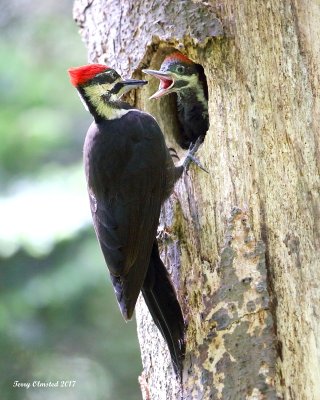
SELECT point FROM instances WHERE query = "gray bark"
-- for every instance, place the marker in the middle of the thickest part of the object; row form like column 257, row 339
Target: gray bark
column 244, row 239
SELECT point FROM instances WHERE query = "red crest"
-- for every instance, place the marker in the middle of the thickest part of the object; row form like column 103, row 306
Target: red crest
column 177, row 56
column 80, row 75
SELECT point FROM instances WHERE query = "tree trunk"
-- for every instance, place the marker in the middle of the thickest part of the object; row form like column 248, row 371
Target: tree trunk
column 243, row 247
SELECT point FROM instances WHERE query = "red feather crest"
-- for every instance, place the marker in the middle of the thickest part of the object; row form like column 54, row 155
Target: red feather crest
column 80, row 75
column 177, row 56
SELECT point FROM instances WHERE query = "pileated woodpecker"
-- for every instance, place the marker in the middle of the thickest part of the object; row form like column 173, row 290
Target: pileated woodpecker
column 187, row 79
column 129, row 175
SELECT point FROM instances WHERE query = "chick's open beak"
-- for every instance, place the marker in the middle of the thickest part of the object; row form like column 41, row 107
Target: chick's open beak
column 166, row 82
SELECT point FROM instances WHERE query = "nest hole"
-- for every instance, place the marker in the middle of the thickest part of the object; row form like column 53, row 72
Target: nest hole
column 165, row 109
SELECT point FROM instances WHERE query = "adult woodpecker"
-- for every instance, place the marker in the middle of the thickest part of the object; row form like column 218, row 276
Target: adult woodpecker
column 129, row 174
column 178, row 74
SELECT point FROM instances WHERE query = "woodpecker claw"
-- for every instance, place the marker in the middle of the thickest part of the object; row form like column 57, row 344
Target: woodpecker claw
column 197, row 162
column 173, row 153
column 193, row 148
column 164, row 234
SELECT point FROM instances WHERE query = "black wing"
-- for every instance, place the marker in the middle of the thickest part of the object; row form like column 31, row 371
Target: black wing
column 125, row 162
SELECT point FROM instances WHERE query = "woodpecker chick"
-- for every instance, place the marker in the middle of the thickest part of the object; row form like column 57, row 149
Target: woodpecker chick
column 178, row 74
column 129, row 174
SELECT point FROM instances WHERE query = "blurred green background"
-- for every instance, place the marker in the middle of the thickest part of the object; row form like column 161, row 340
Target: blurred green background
column 58, row 315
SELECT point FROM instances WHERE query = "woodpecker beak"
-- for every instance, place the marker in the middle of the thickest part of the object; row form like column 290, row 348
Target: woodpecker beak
column 124, row 86
column 129, row 84
column 166, row 82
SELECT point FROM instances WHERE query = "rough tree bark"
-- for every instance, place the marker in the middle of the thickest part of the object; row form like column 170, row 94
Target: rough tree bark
column 244, row 239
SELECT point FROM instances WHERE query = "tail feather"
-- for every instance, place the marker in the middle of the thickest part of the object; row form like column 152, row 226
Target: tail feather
column 160, row 297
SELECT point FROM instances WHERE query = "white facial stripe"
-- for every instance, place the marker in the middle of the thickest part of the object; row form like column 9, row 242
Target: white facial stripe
column 94, row 92
column 193, row 82
column 83, row 102
column 118, row 113
column 103, row 108
column 191, row 79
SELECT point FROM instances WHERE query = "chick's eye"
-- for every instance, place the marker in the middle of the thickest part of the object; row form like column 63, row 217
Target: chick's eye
column 180, row 69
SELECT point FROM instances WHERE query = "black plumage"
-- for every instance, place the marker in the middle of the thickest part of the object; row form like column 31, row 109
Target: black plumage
column 192, row 114
column 129, row 174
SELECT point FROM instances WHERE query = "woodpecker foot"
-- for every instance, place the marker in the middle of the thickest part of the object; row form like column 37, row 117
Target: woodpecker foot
column 190, row 155
column 173, row 153
column 164, row 234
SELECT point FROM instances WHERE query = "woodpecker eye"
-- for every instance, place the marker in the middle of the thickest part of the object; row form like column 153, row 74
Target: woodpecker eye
column 180, row 69
column 113, row 74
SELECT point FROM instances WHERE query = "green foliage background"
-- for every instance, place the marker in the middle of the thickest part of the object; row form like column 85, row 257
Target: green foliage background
column 58, row 316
